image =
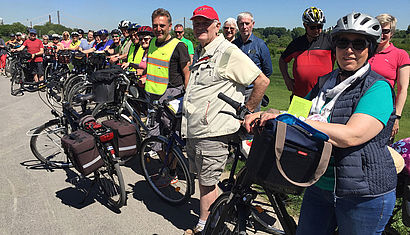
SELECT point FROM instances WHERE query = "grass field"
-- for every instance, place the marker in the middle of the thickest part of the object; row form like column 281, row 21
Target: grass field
column 279, row 99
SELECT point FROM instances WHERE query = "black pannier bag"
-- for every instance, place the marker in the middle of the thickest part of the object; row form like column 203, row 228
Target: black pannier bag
column 104, row 84
column 80, row 147
column 125, row 137
column 288, row 155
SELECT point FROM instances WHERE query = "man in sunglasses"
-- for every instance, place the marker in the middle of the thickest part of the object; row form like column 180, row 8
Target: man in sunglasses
column 312, row 53
column 179, row 32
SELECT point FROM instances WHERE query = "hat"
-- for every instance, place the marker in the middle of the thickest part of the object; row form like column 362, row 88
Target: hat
column 205, row 11
column 397, row 158
column 18, row 34
column 32, row 31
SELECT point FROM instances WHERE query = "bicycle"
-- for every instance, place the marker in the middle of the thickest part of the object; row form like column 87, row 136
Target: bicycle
column 237, row 210
column 45, row 143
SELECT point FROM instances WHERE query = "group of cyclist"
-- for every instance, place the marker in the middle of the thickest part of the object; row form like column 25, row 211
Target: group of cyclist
column 354, row 105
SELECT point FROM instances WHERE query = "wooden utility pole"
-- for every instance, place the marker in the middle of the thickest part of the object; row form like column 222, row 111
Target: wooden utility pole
column 58, row 17
column 184, row 22
column 49, row 19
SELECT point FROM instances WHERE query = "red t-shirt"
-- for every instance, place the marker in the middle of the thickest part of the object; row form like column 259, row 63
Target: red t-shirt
column 33, row 46
column 388, row 61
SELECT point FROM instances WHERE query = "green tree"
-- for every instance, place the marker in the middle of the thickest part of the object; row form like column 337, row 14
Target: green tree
column 297, row 32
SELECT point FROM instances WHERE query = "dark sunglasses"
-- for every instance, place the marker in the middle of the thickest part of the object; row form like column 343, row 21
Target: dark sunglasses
column 229, row 28
column 314, row 27
column 386, row 31
column 144, row 38
column 357, row 44
column 178, row 32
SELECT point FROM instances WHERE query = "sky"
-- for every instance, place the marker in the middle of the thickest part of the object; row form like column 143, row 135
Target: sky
column 99, row 14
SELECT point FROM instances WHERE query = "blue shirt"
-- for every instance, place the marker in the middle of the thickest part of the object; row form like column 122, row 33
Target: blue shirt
column 102, row 45
column 85, row 45
column 256, row 49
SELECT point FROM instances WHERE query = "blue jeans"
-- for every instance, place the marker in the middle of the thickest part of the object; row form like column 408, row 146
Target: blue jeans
column 322, row 212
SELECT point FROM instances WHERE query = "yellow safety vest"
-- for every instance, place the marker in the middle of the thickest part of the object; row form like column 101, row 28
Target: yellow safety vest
column 135, row 58
column 158, row 66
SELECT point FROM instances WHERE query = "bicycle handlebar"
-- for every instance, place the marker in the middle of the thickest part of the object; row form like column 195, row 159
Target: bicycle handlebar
column 241, row 109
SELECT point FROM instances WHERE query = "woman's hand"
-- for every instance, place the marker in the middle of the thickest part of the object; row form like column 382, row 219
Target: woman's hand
column 250, row 119
column 125, row 65
column 395, row 128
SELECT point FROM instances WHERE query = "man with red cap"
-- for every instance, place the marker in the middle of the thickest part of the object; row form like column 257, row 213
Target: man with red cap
column 218, row 66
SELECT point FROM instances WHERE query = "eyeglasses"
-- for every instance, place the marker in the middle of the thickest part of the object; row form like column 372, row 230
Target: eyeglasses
column 357, row 44
column 229, row 28
column 314, row 27
column 145, row 38
column 178, row 32
column 116, row 36
column 386, row 31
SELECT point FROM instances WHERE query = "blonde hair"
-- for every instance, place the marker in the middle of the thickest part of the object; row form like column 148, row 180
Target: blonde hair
column 66, row 33
column 387, row 19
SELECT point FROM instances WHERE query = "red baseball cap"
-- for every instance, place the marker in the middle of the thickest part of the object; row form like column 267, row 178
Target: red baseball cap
column 205, row 11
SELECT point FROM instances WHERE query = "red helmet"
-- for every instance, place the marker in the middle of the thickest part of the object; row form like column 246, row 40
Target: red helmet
column 145, row 30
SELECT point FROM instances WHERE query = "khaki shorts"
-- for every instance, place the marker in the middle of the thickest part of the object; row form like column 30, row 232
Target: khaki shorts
column 207, row 158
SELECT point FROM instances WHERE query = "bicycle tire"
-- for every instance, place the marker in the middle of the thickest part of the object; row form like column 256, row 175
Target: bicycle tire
column 111, row 183
column 222, row 213
column 8, row 67
column 16, row 82
column 173, row 191
column 80, row 88
column 69, row 83
column 48, row 150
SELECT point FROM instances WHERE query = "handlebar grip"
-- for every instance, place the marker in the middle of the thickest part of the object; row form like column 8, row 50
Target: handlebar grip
column 236, row 105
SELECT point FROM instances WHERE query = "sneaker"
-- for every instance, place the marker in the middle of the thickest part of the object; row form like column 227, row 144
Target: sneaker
column 162, row 181
column 195, row 231
column 174, row 180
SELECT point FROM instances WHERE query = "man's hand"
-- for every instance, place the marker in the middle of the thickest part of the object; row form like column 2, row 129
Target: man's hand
column 395, row 128
column 113, row 59
column 250, row 119
column 33, row 55
column 290, row 83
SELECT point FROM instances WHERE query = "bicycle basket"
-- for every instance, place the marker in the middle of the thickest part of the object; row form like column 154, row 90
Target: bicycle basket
column 63, row 57
column 104, row 84
column 78, row 58
column 288, row 155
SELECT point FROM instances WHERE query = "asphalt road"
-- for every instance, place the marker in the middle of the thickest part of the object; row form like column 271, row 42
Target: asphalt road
column 34, row 200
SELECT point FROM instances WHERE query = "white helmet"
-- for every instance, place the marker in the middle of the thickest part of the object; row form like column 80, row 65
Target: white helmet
column 124, row 24
column 359, row 23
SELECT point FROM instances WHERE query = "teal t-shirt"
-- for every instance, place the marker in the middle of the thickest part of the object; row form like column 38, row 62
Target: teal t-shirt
column 188, row 44
column 376, row 102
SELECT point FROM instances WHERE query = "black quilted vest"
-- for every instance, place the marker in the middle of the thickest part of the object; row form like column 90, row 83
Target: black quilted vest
column 367, row 169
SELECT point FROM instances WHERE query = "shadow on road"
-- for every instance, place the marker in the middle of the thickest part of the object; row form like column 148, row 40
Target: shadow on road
column 182, row 217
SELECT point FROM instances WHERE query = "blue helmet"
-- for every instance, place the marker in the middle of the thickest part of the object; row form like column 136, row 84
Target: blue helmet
column 102, row 32
column 134, row 26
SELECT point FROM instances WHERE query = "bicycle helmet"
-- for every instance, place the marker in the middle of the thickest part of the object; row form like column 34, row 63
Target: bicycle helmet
column 80, row 31
column 134, row 26
column 145, row 30
column 313, row 15
column 124, row 24
column 55, row 36
column 12, row 35
column 102, row 32
column 18, row 34
column 115, row 31
column 359, row 23
column 75, row 34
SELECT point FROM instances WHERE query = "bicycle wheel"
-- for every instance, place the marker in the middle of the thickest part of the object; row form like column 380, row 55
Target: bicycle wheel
column 7, row 68
column 80, row 88
column 111, row 184
column 16, row 82
column 45, row 144
column 223, row 217
column 70, row 82
column 169, row 179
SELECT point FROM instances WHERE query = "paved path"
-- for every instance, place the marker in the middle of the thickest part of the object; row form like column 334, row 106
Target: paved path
column 37, row 201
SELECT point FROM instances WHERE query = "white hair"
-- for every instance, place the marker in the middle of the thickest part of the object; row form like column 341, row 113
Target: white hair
column 245, row 14
column 231, row 20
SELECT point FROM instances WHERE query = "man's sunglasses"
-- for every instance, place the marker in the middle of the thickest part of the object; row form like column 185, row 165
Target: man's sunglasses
column 229, row 28
column 314, row 27
column 178, row 32
column 144, row 38
column 386, row 31
column 357, row 44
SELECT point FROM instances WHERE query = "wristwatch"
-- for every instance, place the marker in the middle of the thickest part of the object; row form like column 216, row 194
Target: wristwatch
column 398, row 117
